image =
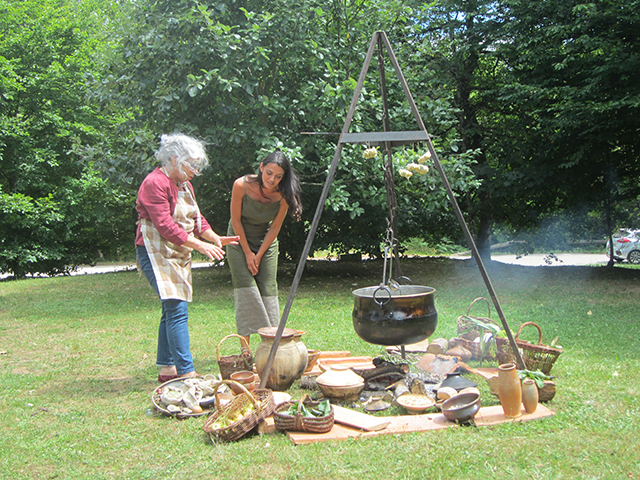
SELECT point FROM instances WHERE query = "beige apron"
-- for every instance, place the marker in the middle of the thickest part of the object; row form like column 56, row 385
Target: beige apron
column 172, row 263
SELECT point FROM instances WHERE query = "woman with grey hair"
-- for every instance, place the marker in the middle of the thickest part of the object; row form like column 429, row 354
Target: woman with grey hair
column 169, row 227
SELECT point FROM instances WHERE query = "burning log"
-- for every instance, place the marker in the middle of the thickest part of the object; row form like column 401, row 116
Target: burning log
column 383, row 375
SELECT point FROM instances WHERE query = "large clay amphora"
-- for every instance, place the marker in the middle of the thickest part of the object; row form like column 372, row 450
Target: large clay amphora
column 304, row 353
column 287, row 361
column 509, row 390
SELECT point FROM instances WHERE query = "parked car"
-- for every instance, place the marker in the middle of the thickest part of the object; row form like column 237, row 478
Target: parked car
column 626, row 246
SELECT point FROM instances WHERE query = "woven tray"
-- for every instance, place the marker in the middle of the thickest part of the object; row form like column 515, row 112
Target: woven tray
column 536, row 357
column 162, row 408
column 300, row 423
column 235, row 363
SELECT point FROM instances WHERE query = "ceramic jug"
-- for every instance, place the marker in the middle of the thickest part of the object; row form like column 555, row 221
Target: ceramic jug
column 529, row 395
column 509, row 390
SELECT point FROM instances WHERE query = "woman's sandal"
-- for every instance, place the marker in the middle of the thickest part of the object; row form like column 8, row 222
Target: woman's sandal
column 166, row 378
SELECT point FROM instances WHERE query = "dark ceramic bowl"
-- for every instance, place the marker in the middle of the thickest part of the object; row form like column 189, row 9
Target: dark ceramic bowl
column 461, row 408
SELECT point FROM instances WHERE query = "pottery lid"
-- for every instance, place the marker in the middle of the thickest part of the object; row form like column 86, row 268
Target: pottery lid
column 270, row 332
column 340, row 376
column 456, row 381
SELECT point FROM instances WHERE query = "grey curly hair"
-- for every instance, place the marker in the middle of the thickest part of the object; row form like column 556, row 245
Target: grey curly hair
column 185, row 149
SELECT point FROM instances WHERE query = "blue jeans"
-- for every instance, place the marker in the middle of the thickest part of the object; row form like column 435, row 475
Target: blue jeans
column 173, row 333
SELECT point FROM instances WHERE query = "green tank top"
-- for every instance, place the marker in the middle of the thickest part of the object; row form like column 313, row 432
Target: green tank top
column 256, row 219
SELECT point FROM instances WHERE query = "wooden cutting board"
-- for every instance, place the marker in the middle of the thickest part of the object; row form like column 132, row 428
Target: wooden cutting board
column 358, row 363
column 359, row 420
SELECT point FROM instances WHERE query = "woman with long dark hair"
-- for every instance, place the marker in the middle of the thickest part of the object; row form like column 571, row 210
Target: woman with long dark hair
column 259, row 204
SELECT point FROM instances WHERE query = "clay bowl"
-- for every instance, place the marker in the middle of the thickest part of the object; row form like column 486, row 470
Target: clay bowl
column 415, row 404
column 461, row 408
column 245, row 378
column 343, row 394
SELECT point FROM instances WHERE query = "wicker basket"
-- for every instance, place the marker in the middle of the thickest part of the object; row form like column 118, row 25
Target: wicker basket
column 235, row 363
column 300, row 423
column 535, row 357
column 468, row 332
column 238, row 404
column 264, row 397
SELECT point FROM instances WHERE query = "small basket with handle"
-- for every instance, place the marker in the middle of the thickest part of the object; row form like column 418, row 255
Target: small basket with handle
column 299, row 422
column 234, row 420
column 535, row 356
column 235, row 363
column 468, row 331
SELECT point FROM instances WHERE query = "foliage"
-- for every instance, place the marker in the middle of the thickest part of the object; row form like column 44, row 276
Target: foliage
column 82, row 220
column 533, row 109
column 571, row 78
column 253, row 77
column 53, row 207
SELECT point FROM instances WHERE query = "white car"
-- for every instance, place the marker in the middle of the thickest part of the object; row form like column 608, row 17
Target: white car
column 626, row 246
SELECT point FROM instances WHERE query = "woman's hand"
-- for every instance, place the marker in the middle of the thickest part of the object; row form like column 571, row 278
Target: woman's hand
column 214, row 252
column 229, row 240
column 253, row 263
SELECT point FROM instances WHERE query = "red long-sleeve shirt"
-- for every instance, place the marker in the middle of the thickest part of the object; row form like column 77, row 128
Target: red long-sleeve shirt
column 156, row 201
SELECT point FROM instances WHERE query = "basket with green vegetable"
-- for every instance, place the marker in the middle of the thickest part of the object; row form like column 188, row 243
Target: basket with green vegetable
column 484, row 329
column 304, row 415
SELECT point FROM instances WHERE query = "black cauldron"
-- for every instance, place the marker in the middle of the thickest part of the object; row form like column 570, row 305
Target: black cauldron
column 394, row 316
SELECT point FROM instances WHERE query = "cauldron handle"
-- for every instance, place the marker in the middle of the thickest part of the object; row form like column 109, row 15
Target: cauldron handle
column 383, row 302
column 402, row 278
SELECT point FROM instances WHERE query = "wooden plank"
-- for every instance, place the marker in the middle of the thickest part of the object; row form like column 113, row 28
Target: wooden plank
column 359, row 363
column 359, row 420
column 492, row 415
column 335, row 354
column 420, row 347
column 379, row 138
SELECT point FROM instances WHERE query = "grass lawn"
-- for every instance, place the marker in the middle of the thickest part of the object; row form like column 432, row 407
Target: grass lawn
column 77, row 369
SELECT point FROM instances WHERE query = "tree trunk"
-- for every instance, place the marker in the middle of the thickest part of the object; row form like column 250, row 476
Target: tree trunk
column 607, row 217
column 483, row 237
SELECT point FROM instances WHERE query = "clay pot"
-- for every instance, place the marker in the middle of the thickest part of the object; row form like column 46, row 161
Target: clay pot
column 445, row 393
column 529, row 395
column 313, row 356
column 461, row 408
column 341, row 383
column 287, row 361
column 509, row 390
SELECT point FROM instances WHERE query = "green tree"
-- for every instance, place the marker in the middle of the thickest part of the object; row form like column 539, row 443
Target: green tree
column 253, row 76
column 572, row 70
column 450, row 56
column 51, row 202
